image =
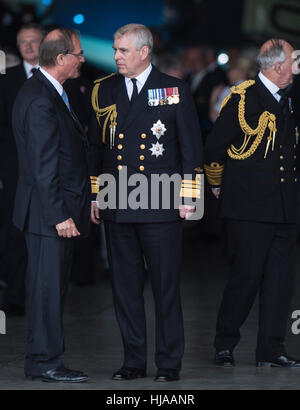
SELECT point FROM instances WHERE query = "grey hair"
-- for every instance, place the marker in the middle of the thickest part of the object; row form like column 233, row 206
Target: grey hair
column 141, row 34
column 272, row 55
column 62, row 44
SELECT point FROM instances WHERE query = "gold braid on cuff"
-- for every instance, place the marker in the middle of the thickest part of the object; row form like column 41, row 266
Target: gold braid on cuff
column 191, row 188
column 214, row 173
column 94, row 185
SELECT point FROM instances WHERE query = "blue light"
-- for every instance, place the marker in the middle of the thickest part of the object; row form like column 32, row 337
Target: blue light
column 47, row 2
column 78, row 19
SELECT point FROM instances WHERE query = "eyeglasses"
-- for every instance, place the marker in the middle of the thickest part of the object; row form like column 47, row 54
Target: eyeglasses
column 77, row 54
column 81, row 54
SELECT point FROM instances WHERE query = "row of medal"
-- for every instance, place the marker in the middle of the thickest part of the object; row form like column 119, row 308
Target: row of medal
column 163, row 96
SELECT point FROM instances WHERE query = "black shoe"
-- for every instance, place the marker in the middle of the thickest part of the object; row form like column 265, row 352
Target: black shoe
column 281, row 361
column 129, row 373
column 224, row 358
column 167, row 375
column 61, row 374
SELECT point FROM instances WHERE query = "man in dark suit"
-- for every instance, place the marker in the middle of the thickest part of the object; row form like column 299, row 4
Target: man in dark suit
column 14, row 256
column 153, row 129
column 251, row 154
column 52, row 198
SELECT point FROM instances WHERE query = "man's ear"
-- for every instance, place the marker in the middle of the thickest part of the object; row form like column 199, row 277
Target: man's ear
column 277, row 67
column 60, row 59
column 144, row 52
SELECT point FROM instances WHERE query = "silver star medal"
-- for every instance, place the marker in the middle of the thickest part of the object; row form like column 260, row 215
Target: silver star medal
column 157, row 149
column 158, row 129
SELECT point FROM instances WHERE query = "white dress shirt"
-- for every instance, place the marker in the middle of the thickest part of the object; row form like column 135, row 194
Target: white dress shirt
column 270, row 86
column 28, row 67
column 140, row 81
column 53, row 81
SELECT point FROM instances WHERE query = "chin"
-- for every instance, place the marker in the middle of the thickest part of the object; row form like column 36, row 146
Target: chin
column 122, row 71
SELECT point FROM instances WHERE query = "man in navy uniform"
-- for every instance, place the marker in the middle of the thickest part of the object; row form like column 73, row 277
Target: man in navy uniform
column 251, row 155
column 148, row 124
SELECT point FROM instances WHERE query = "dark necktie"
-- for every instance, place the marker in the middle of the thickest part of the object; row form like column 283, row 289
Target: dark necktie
column 284, row 102
column 134, row 92
column 33, row 70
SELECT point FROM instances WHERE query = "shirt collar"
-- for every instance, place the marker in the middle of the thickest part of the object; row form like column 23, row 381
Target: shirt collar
column 141, row 78
column 28, row 67
column 53, row 81
column 268, row 84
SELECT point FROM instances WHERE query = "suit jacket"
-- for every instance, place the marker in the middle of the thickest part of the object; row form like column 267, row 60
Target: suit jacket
column 256, row 188
column 181, row 142
column 53, row 178
column 10, row 85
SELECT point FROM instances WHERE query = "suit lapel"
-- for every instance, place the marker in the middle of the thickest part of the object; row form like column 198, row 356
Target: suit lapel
column 272, row 105
column 61, row 103
column 267, row 99
column 122, row 102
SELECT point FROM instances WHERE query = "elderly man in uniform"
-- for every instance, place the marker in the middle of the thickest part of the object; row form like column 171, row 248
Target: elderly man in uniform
column 148, row 124
column 251, row 156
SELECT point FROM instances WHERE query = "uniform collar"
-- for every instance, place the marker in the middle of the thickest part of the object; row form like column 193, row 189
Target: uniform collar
column 269, row 85
column 141, row 78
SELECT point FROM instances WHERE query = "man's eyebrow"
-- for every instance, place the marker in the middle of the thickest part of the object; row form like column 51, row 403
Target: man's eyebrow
column 119, row 48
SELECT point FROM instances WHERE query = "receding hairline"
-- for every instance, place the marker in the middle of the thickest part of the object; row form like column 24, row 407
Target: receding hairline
column 273, row 42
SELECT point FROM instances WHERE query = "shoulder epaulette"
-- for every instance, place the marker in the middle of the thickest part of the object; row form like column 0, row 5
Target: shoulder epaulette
column 241, row 88
column 238, row 89
column 109, row 112
column 252, row 136
column 104, row 78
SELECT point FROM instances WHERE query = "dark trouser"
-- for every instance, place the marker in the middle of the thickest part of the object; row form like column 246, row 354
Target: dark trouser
column 261, row 258
column 50, row 263
column 160, row 243
column 13, row 262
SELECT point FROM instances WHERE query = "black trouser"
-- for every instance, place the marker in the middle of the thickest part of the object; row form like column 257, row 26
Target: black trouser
column 160, row 243
column 261, row 258
column 13, row 262
column 50, row 263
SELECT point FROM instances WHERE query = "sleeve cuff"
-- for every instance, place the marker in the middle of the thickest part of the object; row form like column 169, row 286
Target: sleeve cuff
column 214, row 173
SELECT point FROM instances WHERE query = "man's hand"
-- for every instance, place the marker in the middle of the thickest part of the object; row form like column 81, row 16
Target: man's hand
column 216, row 192
column 67, row 229
column 95, row 215
column 186, row 211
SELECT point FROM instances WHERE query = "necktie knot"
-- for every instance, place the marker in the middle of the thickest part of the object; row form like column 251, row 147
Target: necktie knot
column 33, row 70
column 282, row 93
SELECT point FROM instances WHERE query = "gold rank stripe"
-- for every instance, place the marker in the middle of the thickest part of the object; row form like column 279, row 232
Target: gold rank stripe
column 214, row 173
column 95, row 189
column 94, row 185
column 192, row 183
column 189, row 193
